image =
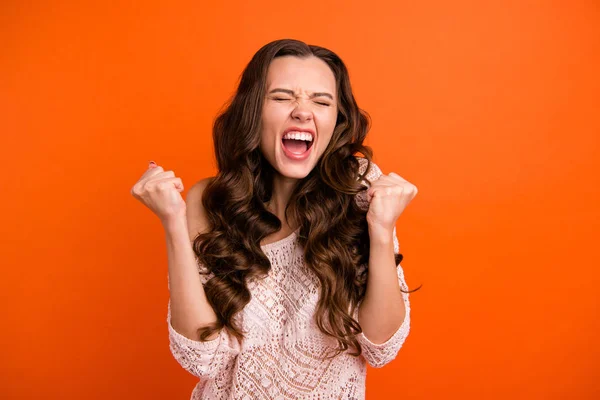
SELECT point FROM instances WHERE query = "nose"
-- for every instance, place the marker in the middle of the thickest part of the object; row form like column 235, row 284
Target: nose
column 301, row 112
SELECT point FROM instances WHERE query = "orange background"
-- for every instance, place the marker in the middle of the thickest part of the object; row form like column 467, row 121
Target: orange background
column 492, row 111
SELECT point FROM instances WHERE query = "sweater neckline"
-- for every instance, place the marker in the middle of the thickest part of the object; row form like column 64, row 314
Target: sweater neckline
column 280, row 242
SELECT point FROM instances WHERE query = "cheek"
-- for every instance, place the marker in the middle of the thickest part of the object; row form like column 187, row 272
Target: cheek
column 274, row 112
column 327, row 125
column 268, row 124
column 272, row 120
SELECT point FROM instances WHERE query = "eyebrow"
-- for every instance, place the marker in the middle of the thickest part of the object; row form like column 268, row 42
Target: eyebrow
column 291, row 93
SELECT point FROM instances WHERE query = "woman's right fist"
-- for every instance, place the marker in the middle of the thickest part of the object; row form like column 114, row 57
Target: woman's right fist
column 160, row 191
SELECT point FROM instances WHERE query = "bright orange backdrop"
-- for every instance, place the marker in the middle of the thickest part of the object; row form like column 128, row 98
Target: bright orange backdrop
column 492, row 110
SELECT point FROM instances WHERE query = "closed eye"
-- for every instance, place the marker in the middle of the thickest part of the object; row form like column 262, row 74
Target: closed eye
column 323, row 104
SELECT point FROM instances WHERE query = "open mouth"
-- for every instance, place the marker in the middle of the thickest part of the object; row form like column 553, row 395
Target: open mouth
column 297, row 146
column 297, row 143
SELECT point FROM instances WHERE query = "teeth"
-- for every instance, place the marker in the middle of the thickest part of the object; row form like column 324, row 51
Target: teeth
column 307, row 137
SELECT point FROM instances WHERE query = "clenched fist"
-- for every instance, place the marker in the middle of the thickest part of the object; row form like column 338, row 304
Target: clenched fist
column 388, row 197
column 160, row 191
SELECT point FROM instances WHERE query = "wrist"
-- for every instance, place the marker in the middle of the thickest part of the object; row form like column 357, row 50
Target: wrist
column 175, row 224
column 381, row 234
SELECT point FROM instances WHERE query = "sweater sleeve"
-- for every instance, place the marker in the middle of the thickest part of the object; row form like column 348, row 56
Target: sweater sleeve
column 378, row 355
column 205, row 360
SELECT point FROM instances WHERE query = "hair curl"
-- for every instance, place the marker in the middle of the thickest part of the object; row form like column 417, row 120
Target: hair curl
column 334, row 242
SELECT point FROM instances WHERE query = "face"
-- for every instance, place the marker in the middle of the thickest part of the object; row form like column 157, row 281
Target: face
column 298, row 115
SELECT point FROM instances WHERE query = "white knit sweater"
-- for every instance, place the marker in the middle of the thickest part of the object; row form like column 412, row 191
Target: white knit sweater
column 280, row 357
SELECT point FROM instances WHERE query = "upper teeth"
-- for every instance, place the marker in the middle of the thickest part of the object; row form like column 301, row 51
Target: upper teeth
column 298, row 136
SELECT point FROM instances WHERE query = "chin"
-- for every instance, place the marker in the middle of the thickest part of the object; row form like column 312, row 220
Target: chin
column 294, row 172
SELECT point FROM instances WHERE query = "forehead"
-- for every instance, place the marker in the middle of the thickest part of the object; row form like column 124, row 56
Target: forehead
column 309, row 74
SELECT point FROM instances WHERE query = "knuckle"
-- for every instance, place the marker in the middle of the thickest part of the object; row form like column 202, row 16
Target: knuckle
column 162, row 186
column 148, row 186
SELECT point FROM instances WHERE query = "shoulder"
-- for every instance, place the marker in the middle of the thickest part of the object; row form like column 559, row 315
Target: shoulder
column 370, row 170
column 195, row 192
column 196, row 214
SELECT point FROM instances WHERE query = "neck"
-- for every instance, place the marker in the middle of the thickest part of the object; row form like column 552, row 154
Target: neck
column 282, row 191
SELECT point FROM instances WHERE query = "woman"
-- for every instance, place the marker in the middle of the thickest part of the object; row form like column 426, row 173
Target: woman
column 291, row 283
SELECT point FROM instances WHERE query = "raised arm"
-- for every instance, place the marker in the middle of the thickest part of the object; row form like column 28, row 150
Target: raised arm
column 384, row 314
column 188, row 309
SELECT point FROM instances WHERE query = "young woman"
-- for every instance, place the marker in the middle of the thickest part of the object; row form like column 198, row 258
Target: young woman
column 284, row 269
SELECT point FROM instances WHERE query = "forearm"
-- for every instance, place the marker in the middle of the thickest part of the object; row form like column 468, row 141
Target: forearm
column 190, row 309
column 382, row 310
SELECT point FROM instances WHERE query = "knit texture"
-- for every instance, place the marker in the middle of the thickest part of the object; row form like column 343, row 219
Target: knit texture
column 281, row 355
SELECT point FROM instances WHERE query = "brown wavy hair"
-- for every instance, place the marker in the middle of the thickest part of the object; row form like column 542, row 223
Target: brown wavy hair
column 333, row 229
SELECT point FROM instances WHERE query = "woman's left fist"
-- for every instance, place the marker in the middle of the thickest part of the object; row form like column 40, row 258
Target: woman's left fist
column 388, row 197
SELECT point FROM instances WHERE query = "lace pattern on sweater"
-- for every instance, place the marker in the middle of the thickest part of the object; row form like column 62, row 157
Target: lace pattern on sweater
column 282, row 354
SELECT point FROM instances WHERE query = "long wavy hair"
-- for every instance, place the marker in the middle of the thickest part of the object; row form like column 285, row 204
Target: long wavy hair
column 333, row 229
